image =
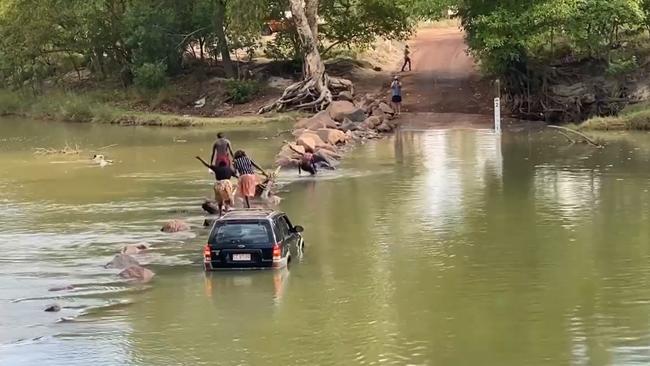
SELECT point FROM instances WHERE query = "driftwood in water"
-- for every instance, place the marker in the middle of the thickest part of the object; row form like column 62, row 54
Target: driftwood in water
column 564, row 130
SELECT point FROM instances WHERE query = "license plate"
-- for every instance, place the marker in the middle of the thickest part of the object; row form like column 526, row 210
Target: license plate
column 241, row 257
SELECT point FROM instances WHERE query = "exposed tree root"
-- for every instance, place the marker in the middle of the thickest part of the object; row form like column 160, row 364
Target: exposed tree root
column 582, row 135
column 313, row 93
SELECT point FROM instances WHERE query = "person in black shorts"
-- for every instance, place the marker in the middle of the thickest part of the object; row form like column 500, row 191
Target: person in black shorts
column 396, row 95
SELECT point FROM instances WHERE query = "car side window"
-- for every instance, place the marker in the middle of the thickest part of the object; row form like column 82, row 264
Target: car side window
column 284, row 228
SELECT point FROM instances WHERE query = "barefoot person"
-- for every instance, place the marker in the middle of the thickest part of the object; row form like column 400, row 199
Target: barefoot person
column 309, row 162
column 247, row 178
column 396, row 95
column 407, row 58
column 221, row 150
column 223, row 189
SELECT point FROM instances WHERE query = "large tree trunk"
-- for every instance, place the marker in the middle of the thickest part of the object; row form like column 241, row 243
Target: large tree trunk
column 220, row 20
column 317, row 90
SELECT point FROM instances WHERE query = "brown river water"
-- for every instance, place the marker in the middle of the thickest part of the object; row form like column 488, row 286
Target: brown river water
column 438, row 247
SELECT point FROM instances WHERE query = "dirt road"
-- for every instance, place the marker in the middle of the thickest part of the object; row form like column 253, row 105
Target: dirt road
column 444, row 87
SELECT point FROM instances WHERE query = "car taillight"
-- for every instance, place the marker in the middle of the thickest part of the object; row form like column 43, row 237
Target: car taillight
column 206, row 251
column 277, row 252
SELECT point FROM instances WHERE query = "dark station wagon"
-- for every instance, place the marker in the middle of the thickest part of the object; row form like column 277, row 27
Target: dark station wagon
column 252, row 239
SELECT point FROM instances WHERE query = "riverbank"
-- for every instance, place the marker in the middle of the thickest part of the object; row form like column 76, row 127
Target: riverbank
column 74, row 107
column 634, row 117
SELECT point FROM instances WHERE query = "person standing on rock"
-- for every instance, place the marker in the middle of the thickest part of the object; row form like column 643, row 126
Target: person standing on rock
column 407, row 58
column 221, row 150
column 396, row 95
column 247, row 178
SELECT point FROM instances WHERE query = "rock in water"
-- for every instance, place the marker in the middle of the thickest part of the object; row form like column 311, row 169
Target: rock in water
column 131, row 249
column 121, row 261
column 175, row 226
column 62, row 288
column 210, row 207
column 384, row 127
column 53, row 308
column 137, row 274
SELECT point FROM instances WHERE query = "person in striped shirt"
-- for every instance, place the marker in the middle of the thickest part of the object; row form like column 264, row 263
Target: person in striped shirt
column 247, row 178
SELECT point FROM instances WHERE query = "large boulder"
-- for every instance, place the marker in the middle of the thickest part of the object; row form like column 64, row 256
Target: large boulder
column 122, row 261
column 373, row 122
column 319, row 120
column 137, row 274
column 346, row 96
column 132, row 249
column 310, row 140
column 348, row 125
column 288, row 150
column 175, row 226
column 340, row 110
column 377, row 112
column 330, row 157
column 386, row 108
column 331, row 136
column 285, row 162
column 384, row 127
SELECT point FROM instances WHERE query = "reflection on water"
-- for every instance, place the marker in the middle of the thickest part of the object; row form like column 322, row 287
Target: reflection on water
column 428, row 248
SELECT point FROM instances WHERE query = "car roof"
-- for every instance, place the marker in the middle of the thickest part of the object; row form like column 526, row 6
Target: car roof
column 250, row 214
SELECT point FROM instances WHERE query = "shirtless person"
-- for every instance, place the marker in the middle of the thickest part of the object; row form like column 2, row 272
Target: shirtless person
column 221, row 151
column 407, row 58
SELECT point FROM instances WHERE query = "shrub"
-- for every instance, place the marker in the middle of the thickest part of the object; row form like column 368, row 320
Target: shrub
column 622, row 66
column 76, row 109
column 241, row 91
column 10, row 102
column 150, row 76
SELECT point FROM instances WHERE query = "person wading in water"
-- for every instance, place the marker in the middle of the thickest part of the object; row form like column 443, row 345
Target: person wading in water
column 247, row 178
column 309, row 162
column 223, row 189
column 396, row 95
column 407, row 58
column 221, row 150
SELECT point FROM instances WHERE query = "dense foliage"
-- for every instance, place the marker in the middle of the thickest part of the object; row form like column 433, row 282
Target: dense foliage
column 137, row 40
column 506, row 32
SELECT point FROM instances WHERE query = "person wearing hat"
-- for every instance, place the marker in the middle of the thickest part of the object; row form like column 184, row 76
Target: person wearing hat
column 396, row 94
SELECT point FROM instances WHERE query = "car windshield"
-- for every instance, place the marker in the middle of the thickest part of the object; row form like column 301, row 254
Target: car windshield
column 246, row 233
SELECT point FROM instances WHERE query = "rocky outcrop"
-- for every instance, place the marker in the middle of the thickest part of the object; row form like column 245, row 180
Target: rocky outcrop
column 175, row 226
column 137, row 274
column 328, row 131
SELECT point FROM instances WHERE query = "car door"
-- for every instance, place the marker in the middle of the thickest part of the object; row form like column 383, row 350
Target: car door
column 293, row 238
column 283, row 235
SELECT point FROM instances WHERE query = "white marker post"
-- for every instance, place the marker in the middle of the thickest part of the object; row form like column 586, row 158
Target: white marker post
column 497, row 107
column 497, row 115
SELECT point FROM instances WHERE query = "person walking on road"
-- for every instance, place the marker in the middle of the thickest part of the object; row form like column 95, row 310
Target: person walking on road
column 407, row 58
column 396, row 95
column 221, row 150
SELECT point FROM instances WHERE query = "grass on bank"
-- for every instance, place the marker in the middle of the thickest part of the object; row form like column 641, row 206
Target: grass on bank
column 633, row 117
column 90, row 108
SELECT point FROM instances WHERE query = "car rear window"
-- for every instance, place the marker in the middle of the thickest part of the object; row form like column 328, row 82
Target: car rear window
column 255, row 233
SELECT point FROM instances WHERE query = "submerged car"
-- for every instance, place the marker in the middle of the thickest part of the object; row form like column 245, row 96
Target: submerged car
column 252, row 239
